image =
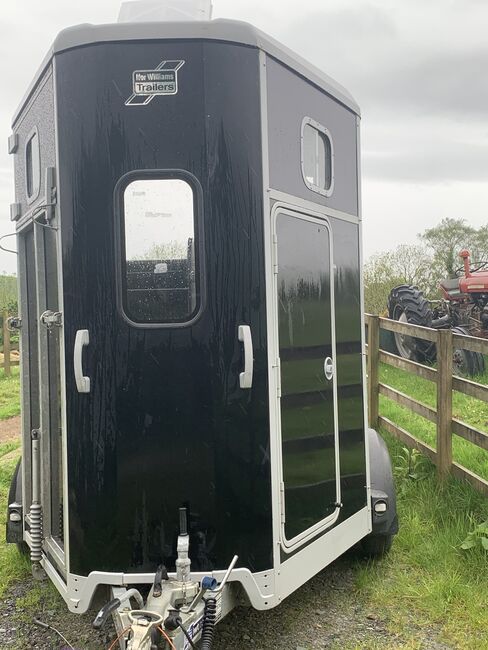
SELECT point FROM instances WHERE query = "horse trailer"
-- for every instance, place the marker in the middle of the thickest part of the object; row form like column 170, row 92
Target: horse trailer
column 192, row 351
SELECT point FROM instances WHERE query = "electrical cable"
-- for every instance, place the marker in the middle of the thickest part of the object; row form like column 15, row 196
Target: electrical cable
column 46, row 626
column 8, row 250
column 167, row 638
column 185, row 632
column 209, row 620
column 112, row 645
column 38, row 210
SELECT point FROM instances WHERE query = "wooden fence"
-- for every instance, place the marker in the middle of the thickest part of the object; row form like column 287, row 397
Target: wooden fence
column 441, row 375
column 10, row 349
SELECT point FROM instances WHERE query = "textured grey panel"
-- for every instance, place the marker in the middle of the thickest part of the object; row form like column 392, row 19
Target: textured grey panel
column 38, row 113
column 290, row 99
column 233, row 31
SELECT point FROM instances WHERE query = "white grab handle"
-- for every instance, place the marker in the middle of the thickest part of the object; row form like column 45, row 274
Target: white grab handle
column 82, row 383
column 245, row 378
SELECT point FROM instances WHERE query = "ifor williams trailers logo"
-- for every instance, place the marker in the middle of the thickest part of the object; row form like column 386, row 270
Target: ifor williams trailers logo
column 148, row 84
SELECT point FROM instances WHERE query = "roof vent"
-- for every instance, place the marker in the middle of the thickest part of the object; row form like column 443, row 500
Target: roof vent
column 144, row 11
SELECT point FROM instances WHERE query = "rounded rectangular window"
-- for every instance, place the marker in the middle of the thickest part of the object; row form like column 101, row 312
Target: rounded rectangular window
column 160, row 283
column 32, row 166
column 317, row 157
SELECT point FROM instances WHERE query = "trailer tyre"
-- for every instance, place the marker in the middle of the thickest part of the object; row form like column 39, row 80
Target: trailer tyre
column 377, row 545
column 15, row 494
column 408, row 305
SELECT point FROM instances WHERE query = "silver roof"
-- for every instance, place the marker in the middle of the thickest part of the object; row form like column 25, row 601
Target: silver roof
column 233, row 31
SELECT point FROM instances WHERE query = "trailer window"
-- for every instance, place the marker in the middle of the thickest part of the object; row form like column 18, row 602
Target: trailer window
column 317, row 157
column 32, row 166
column 159, row 266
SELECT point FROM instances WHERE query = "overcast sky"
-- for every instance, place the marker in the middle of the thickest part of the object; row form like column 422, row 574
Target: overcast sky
column 417, row 68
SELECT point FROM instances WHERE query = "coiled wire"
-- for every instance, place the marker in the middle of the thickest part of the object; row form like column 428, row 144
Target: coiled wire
column 209, row 620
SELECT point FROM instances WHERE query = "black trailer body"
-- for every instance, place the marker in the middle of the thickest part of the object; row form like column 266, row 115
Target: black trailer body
column 189, row 260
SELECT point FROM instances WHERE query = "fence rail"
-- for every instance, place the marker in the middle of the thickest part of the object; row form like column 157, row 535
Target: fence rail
column 446, row 425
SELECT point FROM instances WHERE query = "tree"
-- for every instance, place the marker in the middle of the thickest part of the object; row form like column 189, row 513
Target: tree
column 407, row 264
column 448, row 238
column 172, row 250
column 479, row 246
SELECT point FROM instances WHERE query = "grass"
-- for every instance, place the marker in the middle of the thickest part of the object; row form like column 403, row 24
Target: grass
column 427, row 581
column 465, row 408
column 13, row 565
column 9, row 394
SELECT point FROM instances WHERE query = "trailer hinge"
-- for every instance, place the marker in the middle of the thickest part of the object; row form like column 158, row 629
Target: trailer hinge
column 275, row 253
column 13, row 143
column 51, row 189
column 277, row 367
column 51, row 318
column 15, row 211
column 282, row 503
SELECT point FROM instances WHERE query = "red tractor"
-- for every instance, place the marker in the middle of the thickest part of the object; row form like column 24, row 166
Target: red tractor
column 463, row 308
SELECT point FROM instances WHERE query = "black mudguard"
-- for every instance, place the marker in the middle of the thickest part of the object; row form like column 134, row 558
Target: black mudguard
column 14, row 532
column 382, row 486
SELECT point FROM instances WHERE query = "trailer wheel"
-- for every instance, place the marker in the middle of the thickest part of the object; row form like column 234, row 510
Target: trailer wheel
column 377, row 545
column 464, row 362
column 15, row 494
column 408, row 305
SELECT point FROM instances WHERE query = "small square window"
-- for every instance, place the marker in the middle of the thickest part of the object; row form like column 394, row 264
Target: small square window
column 317, row 157
column 32, row 166
column 160, row 282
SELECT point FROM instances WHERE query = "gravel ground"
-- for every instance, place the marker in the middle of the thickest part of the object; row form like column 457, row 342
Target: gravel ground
column 323, row 614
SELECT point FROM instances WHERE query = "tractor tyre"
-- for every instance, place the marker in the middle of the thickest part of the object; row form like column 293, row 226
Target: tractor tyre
column 408, row 305
column 464, row 362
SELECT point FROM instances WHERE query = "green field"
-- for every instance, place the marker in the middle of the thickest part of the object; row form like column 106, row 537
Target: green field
column 9, row 394
column 465, row 408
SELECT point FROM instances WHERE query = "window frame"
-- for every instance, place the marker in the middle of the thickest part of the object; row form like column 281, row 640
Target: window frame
column 120, row 253
column 30, row 198
column 308, row 121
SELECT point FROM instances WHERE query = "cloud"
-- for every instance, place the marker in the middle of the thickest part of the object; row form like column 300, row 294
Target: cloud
column 442, row 83
column 444, row 162
column 393, row 63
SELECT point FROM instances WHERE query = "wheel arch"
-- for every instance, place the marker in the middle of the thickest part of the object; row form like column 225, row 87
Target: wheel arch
column 382, row 485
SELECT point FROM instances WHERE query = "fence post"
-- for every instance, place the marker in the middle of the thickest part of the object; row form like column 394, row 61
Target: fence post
column 373, row 370
column 6, row 345
column 444, row 402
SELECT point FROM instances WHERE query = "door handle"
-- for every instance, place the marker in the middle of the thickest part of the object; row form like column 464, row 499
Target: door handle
column 328, row 368
column 245, row 378
column 81, row 340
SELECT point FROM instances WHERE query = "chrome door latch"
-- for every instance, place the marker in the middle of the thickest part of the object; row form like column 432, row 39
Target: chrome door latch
column 328, row 368
column 51, row 318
